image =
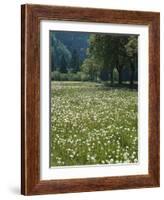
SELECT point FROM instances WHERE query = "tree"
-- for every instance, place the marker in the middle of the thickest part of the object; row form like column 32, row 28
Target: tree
column 119, row 55
column 57, row 50
column 99, row 50
column 74, row 63
column 63, row 65
column 132, row 52
column 111, row 52
column 91, row 68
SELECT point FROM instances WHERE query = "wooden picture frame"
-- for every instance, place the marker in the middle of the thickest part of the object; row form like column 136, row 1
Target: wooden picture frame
column 30, row 99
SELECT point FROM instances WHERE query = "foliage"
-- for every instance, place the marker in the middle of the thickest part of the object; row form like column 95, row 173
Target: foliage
column 132, row 47
column 79, row 76
column 92, row 124
column 63, row 64
column 100, row 56
column 58, row 50
column 113, row 51
column 91, row 68
column 132, row 52
column 74, row 41
column 75, row 63
column 99, row 50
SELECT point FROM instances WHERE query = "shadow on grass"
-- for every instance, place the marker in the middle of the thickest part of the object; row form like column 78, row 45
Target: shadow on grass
column 108, row 85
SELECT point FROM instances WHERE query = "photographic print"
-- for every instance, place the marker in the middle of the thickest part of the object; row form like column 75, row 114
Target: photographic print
column 94, row 98
column 90, row 99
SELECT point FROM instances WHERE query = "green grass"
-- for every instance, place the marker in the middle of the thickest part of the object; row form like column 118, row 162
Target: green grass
column 92, row 124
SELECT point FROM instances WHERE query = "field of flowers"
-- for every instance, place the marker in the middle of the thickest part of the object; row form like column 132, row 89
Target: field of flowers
column 92, row 124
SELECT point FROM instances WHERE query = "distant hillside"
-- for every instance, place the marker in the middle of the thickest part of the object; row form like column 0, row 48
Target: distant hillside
column 66, row 43
column 74, row 41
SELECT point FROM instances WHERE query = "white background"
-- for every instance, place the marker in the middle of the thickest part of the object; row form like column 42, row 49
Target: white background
column 10, row 100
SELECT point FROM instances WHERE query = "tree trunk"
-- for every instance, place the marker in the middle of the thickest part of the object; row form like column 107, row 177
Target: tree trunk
column 104, row 75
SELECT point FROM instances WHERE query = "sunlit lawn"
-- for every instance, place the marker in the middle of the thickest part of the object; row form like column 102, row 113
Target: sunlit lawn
column 92, row 124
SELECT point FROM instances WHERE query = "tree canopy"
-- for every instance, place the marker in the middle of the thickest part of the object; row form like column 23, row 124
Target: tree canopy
column 113, row 51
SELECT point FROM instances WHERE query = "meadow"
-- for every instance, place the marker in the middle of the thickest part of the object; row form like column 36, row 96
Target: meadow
column 92, row 124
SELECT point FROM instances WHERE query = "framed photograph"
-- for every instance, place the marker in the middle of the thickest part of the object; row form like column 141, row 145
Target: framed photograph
column 90, row 99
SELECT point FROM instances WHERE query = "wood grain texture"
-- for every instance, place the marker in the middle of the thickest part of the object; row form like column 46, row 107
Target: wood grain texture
column 30, row 98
